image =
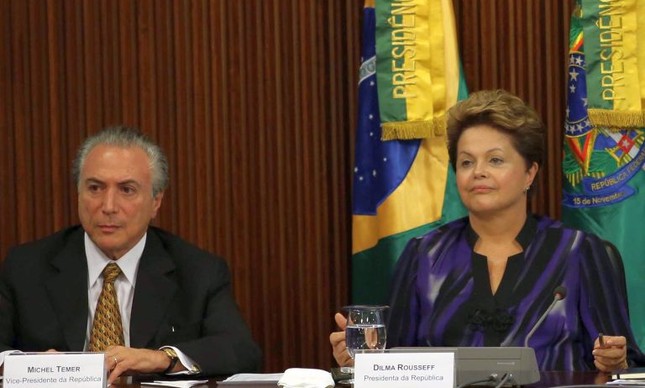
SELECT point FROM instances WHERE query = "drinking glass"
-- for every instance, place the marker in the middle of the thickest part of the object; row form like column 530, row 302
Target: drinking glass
column 365, row 330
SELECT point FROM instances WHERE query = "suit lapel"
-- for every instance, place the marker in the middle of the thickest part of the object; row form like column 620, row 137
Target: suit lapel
column 68, row 290
column 153, row 292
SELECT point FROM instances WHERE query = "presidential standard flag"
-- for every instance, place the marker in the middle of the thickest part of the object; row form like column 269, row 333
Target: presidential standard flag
column 604, row 157
column 403, row 183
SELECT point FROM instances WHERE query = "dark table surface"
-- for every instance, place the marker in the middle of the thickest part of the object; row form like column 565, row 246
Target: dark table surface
column 547, row 379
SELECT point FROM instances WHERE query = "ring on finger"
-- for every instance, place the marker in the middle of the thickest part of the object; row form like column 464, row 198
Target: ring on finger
column 116, row 361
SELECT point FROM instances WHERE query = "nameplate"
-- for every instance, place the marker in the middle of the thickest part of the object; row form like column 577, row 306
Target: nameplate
column 64, row 370
column 409, row 370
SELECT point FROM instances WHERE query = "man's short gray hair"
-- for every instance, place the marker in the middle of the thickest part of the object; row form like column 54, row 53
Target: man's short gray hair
column 125, row 137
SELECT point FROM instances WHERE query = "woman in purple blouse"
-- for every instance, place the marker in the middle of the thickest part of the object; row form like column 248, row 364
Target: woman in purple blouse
column 487, row 279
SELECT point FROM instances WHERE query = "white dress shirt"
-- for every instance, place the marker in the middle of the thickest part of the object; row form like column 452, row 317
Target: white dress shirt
column 124, row 286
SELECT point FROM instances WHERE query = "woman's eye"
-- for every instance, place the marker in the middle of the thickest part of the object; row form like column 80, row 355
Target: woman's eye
column 496, row 161
column 465, row 163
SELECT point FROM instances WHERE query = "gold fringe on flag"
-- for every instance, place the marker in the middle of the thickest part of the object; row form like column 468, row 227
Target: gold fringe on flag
column 619, row 120
column 406, row 130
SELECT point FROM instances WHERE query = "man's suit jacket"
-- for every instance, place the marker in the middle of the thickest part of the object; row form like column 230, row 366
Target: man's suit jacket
column 182, row 298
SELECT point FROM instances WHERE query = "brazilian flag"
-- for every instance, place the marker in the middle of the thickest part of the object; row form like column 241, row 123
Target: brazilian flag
column 403, row 183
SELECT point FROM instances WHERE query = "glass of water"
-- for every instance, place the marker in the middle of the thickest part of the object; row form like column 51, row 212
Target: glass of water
column 365, row 330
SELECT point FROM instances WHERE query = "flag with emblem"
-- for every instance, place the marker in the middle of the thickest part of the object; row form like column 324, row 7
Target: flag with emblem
column 604, row 157
column 403, row 186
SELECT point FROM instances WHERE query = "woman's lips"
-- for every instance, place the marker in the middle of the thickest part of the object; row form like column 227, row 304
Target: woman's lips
column 481, row 189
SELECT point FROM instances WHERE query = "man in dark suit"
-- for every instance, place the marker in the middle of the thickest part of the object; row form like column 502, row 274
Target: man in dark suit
column 177, row 313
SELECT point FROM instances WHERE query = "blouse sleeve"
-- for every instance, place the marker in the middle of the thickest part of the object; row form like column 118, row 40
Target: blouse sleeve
column 403, row 312
column 604, row 307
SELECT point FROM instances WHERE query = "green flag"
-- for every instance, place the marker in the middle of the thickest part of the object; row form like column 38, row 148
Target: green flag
column 604, row 157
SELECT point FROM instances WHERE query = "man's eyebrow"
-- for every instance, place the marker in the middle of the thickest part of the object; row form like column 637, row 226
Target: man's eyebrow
column 121, row 183
column 129, row 182
column 92, row 180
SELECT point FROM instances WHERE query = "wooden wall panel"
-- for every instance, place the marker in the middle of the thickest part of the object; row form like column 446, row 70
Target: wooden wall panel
column 251, row 101
column 255, row 103
column 522, row 46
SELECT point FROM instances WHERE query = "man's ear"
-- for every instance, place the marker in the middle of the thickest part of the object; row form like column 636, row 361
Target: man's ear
column 156, row 203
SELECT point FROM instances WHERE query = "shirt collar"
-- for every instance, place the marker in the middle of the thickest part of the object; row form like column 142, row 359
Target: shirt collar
column 97, row 260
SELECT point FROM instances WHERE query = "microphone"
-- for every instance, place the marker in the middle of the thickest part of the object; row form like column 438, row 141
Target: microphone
column 559, row 293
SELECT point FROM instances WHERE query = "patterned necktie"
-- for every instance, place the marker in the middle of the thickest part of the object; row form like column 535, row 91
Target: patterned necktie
column 107, row 328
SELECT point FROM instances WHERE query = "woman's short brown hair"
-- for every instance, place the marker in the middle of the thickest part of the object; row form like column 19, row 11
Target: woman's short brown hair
column 504, row 112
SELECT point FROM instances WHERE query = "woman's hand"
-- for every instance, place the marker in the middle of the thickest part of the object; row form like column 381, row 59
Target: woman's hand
column 338, row 345
column 612, row 355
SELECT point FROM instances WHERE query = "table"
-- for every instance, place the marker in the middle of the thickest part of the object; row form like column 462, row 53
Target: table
column 561, row 378
column 547, row 379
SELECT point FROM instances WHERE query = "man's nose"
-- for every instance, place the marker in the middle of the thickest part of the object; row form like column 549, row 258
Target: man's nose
column 110, row 201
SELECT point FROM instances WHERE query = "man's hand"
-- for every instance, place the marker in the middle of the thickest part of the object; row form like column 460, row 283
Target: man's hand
column 126, row 361
column 338, row 345
column 612, row 355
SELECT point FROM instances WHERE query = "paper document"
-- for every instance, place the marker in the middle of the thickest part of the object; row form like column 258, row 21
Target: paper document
column 245, row 378
column 174, row 383
column 624, row 382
